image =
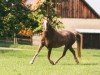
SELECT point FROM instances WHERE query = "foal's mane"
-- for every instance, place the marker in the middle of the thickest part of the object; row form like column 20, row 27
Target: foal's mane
column 50, row 31
column 50, row 28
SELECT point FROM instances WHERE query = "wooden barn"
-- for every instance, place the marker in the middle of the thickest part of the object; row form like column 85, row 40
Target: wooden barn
column 89, row 28
column 78, row 15
column 74, row 9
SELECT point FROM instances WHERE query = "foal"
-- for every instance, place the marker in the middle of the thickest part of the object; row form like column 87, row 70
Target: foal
column 54, row 39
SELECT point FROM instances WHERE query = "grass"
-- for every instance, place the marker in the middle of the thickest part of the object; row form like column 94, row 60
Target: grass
column 17, row 62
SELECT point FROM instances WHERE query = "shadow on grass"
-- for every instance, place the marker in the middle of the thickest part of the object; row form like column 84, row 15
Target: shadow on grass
column 96, row 55
column 6, row 51
column 16, row 53
column 84, row 64
column 89, row 64
column 20, row 53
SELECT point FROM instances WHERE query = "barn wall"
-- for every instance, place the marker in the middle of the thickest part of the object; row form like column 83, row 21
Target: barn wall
column 91, row 41
column 73, row 9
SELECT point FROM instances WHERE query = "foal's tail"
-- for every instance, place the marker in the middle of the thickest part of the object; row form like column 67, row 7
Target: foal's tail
column 79, row 44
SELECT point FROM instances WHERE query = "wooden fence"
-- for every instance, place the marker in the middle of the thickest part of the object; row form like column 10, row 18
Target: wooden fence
column 33, row 40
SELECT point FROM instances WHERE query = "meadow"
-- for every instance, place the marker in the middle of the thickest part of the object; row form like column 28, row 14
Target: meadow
column 16, row 62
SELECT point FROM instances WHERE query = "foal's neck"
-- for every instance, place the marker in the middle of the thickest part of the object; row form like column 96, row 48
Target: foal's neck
column 50, row 31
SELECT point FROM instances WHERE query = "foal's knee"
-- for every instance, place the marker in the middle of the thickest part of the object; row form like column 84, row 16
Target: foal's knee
column 72, row 50
column 64, row 54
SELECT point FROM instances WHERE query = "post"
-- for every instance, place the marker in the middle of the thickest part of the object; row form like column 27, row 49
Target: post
column 15, row 39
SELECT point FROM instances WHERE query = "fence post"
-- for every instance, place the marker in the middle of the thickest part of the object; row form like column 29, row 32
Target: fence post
column 15, row 39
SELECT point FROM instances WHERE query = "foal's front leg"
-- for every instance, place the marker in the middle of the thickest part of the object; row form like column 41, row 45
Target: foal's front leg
column 40, row 47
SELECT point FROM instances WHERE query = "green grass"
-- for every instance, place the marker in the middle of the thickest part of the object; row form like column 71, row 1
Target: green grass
column 17, row 62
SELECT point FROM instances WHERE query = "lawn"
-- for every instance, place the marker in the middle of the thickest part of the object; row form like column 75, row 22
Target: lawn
column 16, row 62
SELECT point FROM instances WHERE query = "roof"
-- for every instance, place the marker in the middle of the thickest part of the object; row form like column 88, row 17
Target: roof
column 73, row 24
column 88, row 30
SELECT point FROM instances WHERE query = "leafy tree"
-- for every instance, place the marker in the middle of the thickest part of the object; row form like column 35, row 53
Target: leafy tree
column 14, row 16
column 46, row 9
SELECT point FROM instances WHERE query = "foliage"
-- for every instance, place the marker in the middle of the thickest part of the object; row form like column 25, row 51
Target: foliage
column 46, row 9
column 14, row 17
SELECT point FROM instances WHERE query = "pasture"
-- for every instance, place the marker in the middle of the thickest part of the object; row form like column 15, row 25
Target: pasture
column 16, row 62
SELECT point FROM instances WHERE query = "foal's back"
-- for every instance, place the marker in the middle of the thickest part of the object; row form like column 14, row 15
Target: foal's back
column 64, row 37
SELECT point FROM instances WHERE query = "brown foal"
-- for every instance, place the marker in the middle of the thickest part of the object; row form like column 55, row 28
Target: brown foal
column 54, row 39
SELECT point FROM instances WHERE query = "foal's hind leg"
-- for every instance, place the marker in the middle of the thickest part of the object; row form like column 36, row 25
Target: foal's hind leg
column 64, row 53
column 49, row 54
column 31, row 62
column 73, row 52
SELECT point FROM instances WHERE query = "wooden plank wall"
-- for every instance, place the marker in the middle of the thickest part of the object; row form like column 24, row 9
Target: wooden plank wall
column 73, row 9
column 91, row 40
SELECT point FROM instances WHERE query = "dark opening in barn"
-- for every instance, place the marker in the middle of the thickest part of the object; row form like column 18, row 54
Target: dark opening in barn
column 91, row 38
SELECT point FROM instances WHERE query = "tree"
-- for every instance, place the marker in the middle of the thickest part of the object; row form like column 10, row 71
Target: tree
column 12, row 16
column 42, row 8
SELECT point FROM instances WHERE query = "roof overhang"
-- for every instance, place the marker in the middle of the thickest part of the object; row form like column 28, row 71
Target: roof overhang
column 78, row 23
column 90, row 31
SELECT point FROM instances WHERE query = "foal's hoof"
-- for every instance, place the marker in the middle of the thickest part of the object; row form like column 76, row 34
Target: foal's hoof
column 52, row 63
column 56, row 62
column 30, row 62
column 77, row 62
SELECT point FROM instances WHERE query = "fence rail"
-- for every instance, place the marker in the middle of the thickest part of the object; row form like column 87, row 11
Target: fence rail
column 33, row 40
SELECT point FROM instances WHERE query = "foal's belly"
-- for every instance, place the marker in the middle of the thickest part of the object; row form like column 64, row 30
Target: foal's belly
column 55, row 43
column 61, row 42
column 58, row 44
